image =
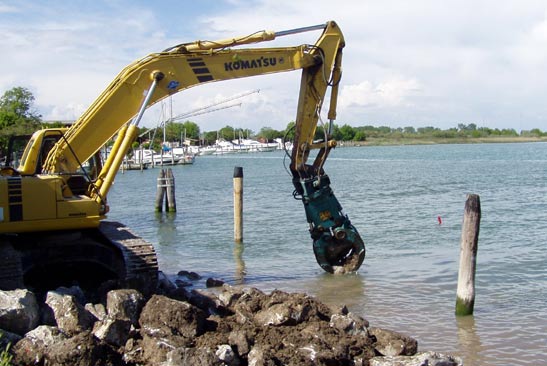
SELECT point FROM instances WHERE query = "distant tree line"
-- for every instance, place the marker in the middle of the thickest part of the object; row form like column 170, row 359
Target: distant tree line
column 461, row 131
column 18, row 117
column 348, row 133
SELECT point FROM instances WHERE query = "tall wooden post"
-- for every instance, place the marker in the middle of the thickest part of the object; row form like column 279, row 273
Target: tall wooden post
column 465, row 297
column 238, row 204
column 170, row 183
column 160, row 191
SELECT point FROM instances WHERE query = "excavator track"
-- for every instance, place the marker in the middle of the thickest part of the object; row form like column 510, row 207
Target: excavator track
column 141, row 263
column 11, row 270
column 45, row 260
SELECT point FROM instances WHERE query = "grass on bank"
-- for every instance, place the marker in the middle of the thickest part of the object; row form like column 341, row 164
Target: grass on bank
column 5, row 356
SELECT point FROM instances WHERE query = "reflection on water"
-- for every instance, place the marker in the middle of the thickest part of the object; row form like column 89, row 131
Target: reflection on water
column 167, row 228
column 469, row 340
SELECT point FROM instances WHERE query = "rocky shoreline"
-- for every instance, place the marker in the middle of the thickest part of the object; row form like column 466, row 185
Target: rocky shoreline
column 180, row 326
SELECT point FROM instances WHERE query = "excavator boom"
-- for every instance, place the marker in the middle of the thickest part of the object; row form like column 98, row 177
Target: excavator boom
column 58, row 189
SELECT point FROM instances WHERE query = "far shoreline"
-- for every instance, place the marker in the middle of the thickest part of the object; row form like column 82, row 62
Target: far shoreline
column 387, row 141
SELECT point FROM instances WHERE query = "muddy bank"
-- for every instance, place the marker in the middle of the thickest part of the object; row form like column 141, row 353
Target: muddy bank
column 180, row 326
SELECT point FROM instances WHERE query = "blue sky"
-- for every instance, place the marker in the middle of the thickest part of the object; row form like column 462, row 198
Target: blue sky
column 406, row 63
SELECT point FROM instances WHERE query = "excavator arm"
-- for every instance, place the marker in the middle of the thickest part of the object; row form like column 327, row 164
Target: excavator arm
column 337, row 245
column 119, row 109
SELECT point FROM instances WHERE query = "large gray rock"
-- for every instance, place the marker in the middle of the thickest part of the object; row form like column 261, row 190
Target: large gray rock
column 162, row 317
column 125, row 305
column 350, row 324
column 98, row 311
column 112, row 331
column 70, row 316
column 123, row 310
column 19, row 311
column 259, row 357
column 390, row 343
column 156, row 349
column 290, row 309
column 282, row 314
column 420, row 359
column 75, row 291
column 32, row 349
column 239, row 339
column 81, row 350
column 226, row 354
column 133, row 352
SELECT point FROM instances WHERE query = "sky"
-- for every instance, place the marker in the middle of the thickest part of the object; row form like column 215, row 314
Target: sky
column 406, row 63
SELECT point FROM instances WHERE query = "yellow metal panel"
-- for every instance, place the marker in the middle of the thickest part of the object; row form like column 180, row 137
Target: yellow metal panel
column 77, row 207
column 37, row 203
column 39, row 196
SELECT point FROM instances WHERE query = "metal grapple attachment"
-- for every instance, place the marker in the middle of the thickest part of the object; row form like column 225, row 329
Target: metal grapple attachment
column 337, row 245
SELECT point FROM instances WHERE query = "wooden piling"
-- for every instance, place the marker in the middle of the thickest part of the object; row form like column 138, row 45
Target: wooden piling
column 238, row 204
column 465, row 296
column 170, row 190
column 160, row 191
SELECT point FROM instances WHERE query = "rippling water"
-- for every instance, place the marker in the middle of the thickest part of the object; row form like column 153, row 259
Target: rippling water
column 393, row 195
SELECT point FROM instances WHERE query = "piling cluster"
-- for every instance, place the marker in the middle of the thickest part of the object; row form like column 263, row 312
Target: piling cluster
column 166, row 191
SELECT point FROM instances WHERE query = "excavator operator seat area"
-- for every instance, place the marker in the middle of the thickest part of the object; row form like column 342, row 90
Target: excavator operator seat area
column 78, row 184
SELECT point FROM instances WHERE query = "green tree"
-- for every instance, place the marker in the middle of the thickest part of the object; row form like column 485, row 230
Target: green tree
column 509, row 132
column 360, row 135
column 268, row 133
column 289, row 131
column 347, row 133
column 536, row 132
column 210, row 137
column 17, row 115
column 409, row 130
column 335, row 133
column 319, row 133
column 175, row 131
column 227, row 133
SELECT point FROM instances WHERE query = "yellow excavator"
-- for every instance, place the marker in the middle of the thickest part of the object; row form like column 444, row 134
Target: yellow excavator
column 53, row 205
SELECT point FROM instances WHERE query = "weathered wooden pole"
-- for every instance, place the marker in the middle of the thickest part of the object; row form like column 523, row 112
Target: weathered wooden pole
column 238, row 204
column 160, row 191
column 465, row 297
column 170, row 183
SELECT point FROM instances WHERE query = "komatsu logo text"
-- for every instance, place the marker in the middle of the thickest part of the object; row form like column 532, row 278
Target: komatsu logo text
column 252, row 64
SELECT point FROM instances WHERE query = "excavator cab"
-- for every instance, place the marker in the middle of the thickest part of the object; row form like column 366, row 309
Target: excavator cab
column 16, row 148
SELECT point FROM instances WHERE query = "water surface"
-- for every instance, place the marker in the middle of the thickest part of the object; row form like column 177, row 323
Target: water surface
column 394, row 196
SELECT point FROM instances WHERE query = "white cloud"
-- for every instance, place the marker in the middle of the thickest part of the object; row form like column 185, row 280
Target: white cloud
column 423, row 62
column 394, row 92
